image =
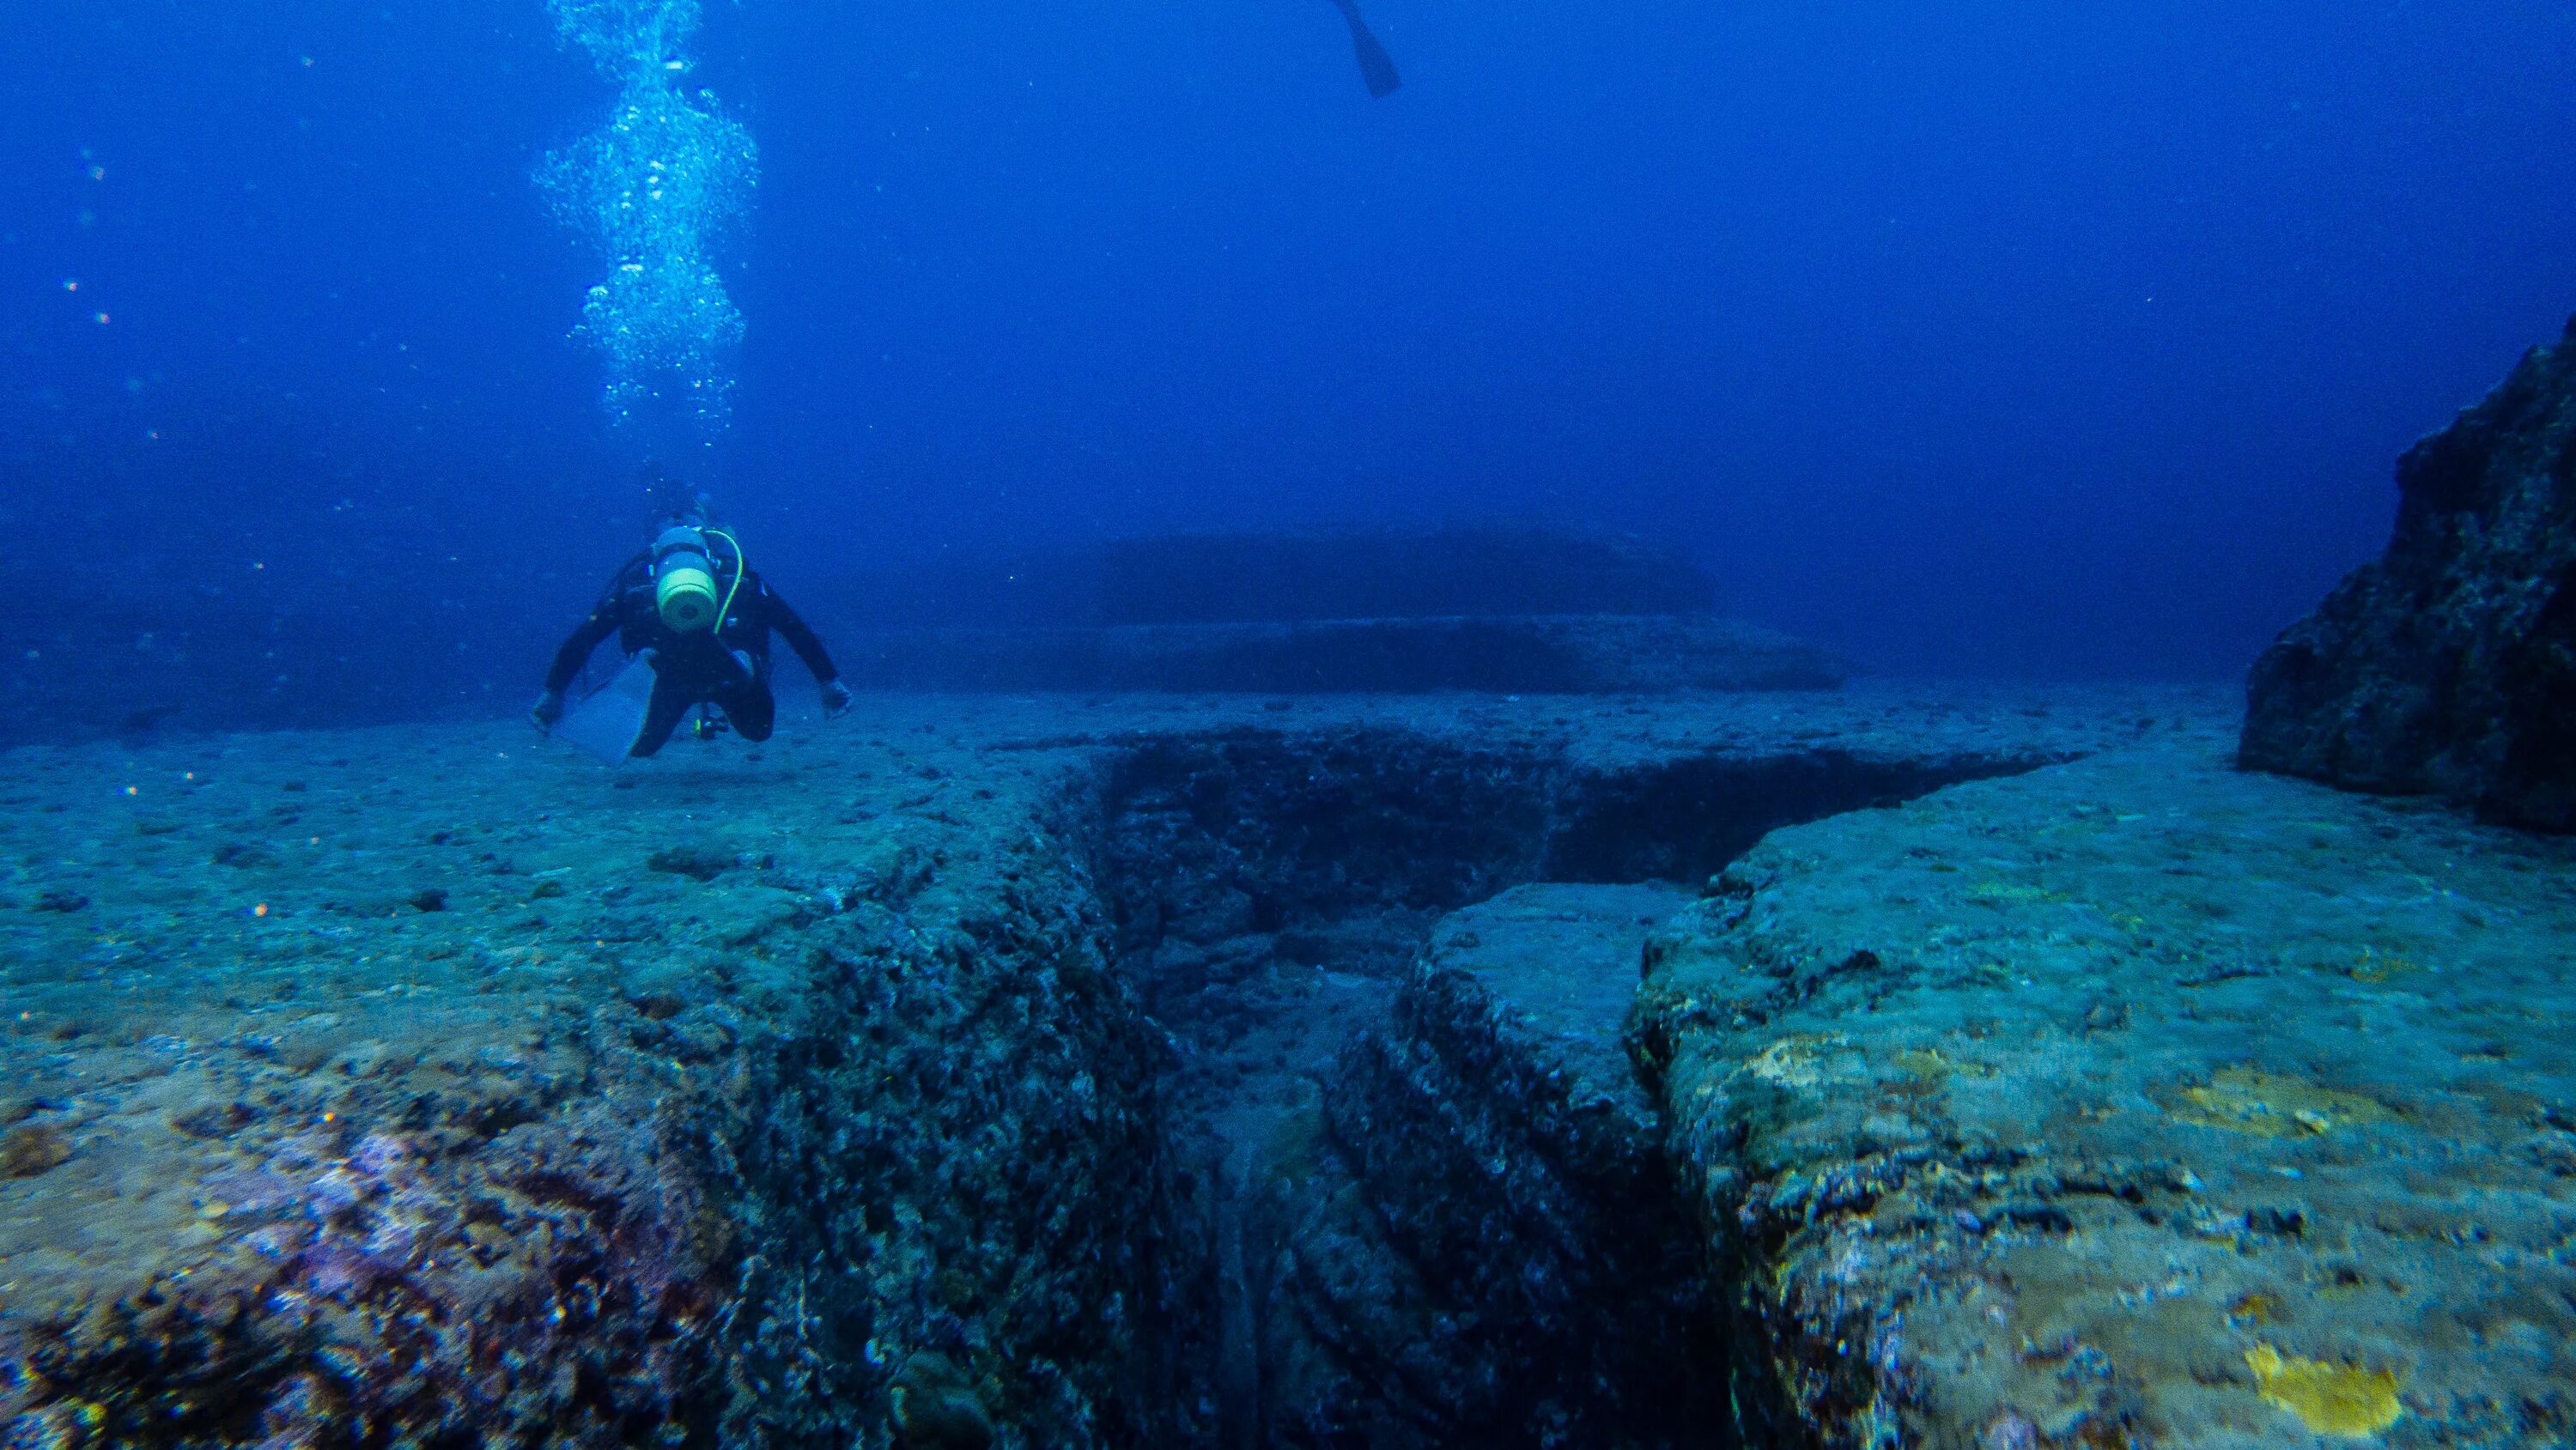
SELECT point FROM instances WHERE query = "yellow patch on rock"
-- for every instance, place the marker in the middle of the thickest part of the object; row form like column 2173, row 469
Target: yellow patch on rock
column 1792, row 1062
column 1928, row 1065
column 2016, row 892
column 2254, row 1307
column 2330, row 1399
column 2244, row 1100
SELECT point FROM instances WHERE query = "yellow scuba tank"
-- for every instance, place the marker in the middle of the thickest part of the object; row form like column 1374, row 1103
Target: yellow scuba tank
column 684, row 580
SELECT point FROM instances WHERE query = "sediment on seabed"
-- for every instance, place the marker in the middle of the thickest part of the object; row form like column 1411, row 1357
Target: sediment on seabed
column 1041, row 1075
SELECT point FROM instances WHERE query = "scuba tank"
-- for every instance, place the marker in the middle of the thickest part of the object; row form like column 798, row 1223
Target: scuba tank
column 684, row 580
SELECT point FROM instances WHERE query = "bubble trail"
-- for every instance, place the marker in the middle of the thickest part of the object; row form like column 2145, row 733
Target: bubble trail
column 655, row 189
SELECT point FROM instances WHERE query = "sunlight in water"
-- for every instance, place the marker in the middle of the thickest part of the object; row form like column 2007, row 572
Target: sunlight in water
column 655, row 189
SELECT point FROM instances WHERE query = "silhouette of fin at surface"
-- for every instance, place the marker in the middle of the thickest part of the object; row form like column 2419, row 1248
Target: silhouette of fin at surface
column 1376, row 66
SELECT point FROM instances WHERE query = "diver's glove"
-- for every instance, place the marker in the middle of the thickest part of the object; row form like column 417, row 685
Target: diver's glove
column 550, row 708
column 836, row 699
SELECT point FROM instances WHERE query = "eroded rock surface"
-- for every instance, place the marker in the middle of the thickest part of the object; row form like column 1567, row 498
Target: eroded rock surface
column 416, row 1085
column 2135, row 1101
column 389, row 1092
column 1470, row 1238
column 2449, row 664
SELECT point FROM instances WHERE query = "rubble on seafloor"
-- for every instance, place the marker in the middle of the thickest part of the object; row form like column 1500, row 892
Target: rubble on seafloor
column 1072, row 1071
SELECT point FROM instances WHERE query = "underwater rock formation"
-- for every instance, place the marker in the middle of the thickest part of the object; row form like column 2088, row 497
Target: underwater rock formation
column 1496, row 607
column 1272, row 888
column 2449, row 664
column 2136, row 1101
column 1466, row 570
column 592, row 1153
column 429, row 1084
column 1471, row 1238
column 1528, row 654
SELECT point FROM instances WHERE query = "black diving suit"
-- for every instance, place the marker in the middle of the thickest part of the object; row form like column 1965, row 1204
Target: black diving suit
column 727, row 666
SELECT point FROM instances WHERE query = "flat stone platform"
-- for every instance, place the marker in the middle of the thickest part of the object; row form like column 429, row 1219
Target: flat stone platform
column 2136, row 1101
column 436, row 1081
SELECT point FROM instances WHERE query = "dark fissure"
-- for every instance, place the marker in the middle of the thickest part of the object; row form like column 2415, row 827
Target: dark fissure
column 1417, row 1196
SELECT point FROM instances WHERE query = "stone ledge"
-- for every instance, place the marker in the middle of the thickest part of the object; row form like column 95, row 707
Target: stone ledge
column 2135, row 1101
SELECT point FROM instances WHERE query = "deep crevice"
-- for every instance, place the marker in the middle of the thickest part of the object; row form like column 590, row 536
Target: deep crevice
column 1372, row 1249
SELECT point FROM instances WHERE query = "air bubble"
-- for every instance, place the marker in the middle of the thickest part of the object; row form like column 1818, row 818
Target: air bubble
column 664, row 325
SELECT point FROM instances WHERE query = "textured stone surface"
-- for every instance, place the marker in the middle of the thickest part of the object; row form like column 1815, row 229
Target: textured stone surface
column 2449, row 664
column 1473, row 1238
column 2136, row 1101
column 1272, row 868
column 406, row 1100
column 400, row 1086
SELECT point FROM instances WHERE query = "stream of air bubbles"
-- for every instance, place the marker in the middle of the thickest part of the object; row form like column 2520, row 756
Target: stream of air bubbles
column 655, row 189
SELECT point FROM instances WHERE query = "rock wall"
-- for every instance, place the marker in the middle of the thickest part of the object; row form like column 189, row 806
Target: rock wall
column 1472, row 1238
column 2449, row 664
column 1428, row 1189
column 946, row 1166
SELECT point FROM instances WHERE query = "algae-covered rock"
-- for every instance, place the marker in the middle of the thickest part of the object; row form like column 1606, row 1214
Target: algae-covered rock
column 692, row 1102
column 32, row 1148
column 2135, row 1101
column 2448, row 665
column 383, row 1089
column 1484, row 1247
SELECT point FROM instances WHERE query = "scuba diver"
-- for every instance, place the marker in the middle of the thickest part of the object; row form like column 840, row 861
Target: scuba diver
column 701, row 616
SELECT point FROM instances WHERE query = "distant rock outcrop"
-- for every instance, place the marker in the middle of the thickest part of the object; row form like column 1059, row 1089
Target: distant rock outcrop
column 1535, row 654
column 2449, row 665
column 1507, row 607
column 1289, row 576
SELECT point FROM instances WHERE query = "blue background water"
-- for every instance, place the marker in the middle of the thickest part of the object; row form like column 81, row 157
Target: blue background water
column 1977, row 337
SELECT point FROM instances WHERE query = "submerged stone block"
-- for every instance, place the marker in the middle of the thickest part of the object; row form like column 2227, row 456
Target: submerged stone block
column 2134, row 1101
column 1488, row 1213
column 2448, row 665
column 852, row 1129
column 712, row 1101
column 1533, row 654
column 1459, row 570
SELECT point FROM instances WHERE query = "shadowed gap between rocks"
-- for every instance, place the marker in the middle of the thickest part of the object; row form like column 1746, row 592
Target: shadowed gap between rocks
column 1423, row 1197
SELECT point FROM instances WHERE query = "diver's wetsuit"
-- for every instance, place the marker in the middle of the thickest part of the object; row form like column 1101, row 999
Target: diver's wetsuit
column 698, row 667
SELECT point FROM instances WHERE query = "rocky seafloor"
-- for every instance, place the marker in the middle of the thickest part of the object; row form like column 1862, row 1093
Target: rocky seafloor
column 2135, row 1101
column 1159, row 1071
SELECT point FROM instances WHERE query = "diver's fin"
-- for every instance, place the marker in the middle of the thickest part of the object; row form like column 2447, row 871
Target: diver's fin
column 607, row 720
column 1376, row 66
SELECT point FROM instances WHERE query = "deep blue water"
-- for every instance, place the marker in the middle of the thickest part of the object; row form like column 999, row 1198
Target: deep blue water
column 1984, row 337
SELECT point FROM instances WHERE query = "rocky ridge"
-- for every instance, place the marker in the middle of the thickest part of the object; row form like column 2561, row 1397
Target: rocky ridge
column 2448, row 665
